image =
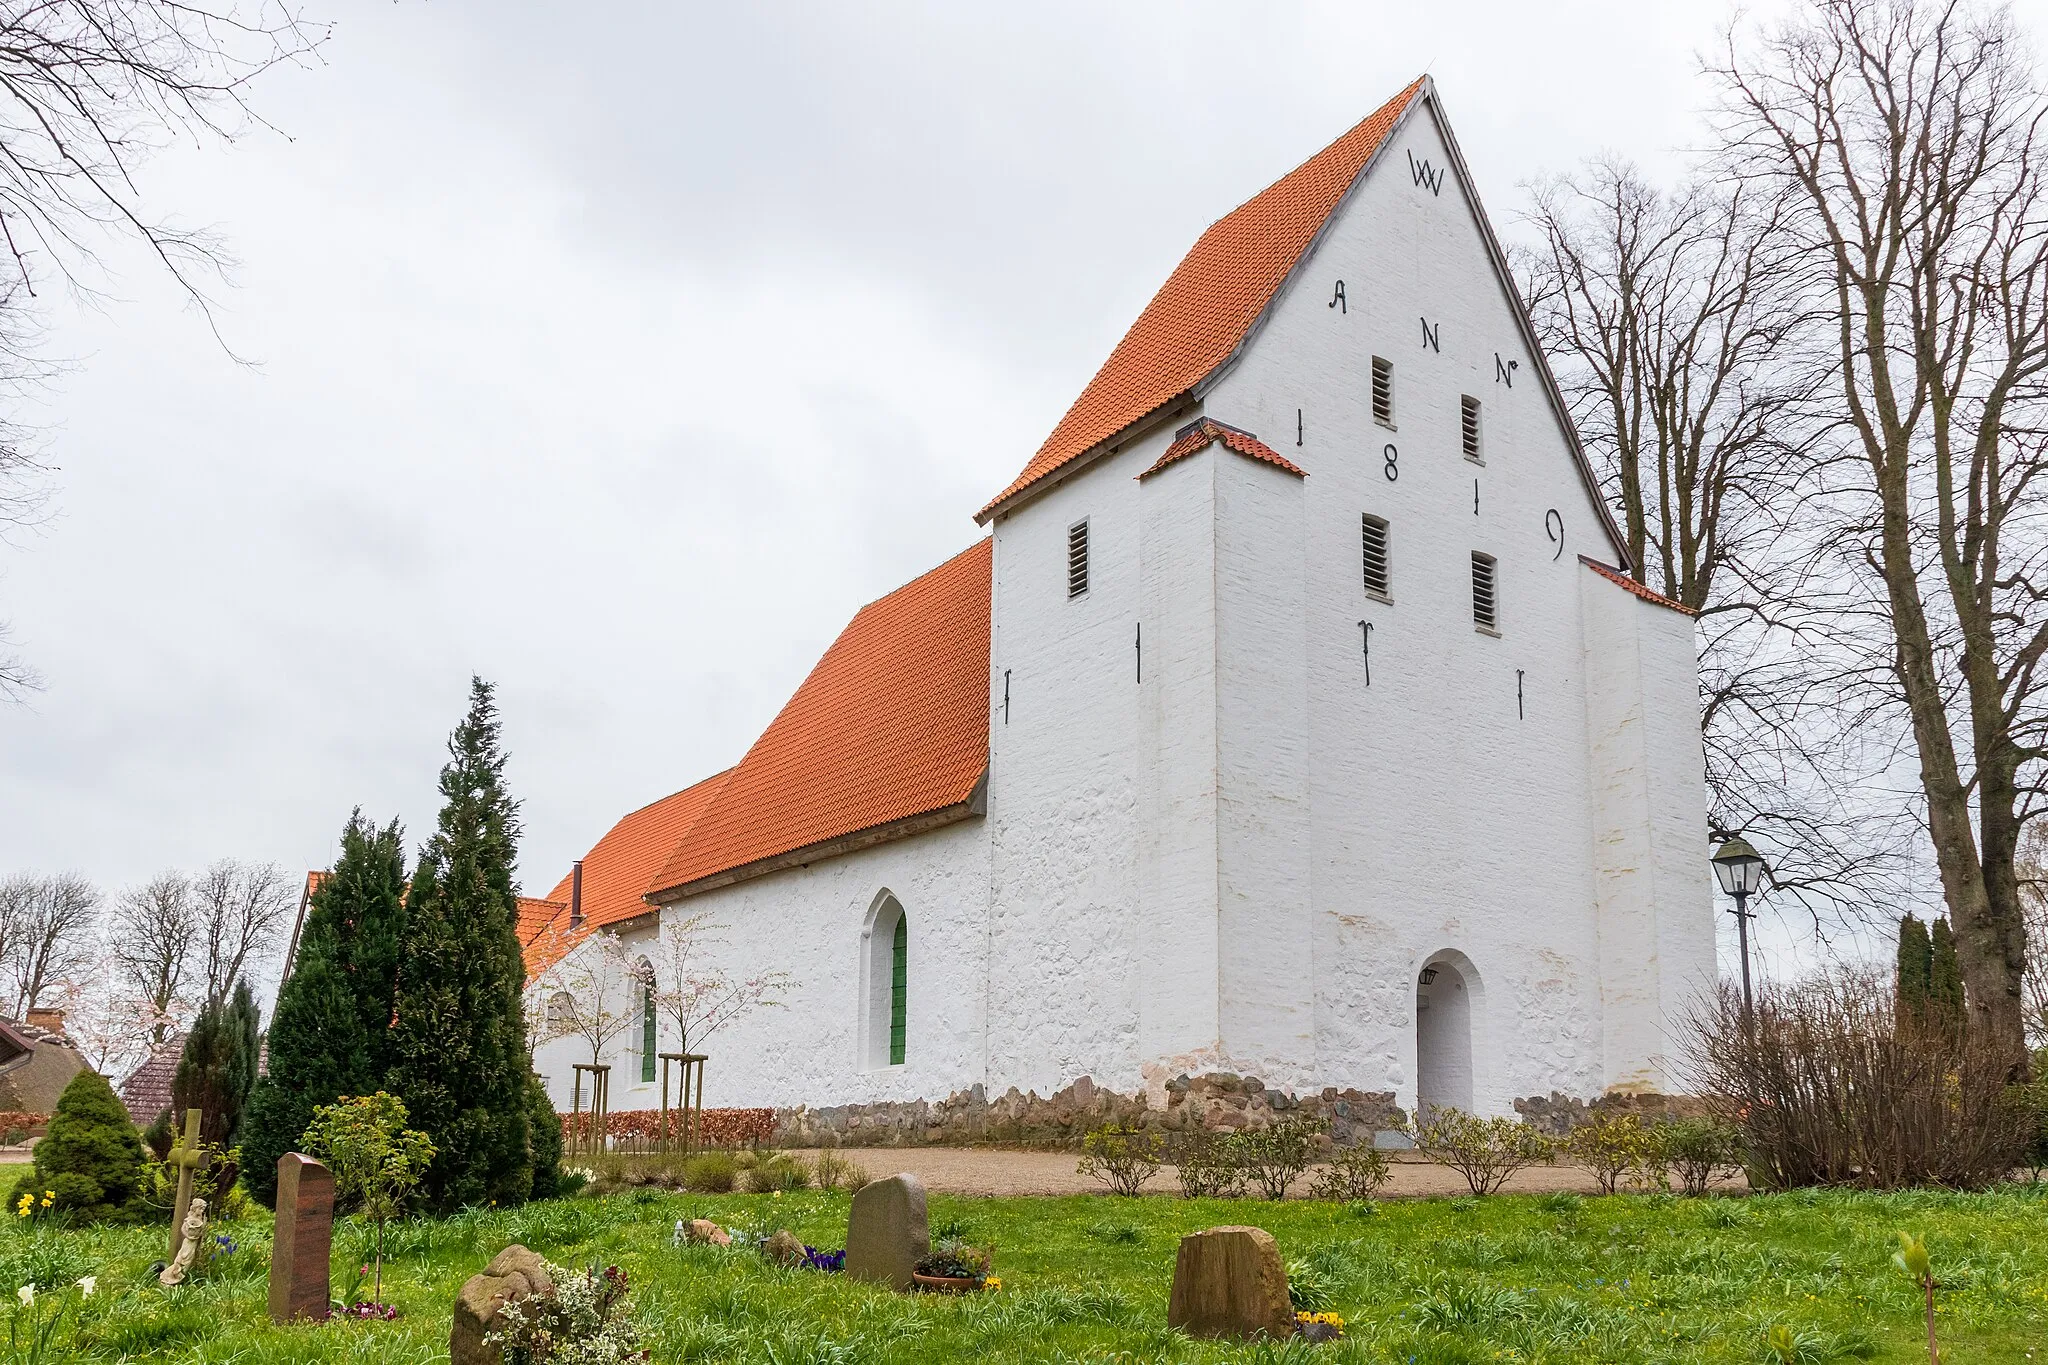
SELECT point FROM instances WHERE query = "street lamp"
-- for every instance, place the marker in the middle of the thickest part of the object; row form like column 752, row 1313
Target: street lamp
column 1740, row 870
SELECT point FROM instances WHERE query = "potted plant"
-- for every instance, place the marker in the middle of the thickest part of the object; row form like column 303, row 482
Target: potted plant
column 953, row 1267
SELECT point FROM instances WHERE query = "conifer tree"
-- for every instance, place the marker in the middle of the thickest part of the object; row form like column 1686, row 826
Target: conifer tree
column 459, row 1040
column 217, row 1069
column 90, row 1164
column 1944, row 979
column 330, row 1035
column 1914, row 965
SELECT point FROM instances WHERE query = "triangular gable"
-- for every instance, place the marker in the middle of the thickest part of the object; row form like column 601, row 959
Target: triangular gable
column 1216, row 298
column 1207, row 307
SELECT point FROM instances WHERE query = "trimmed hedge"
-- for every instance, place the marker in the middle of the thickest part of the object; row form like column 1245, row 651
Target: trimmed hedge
column 716, row 1127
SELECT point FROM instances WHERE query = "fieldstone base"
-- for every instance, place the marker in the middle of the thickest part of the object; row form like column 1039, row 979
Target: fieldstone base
column 1216, row 1101
column 1557, row 1114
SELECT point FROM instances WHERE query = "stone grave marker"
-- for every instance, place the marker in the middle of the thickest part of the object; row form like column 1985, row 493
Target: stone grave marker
column 302, row 1240
column 1230, row 1283
column 513, row 1274
column 887, row 1233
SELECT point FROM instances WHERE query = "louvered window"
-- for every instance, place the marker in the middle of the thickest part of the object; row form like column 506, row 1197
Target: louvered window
column 1471, row 422
column 1077, row 559
column 1375, row 537
column 1383, row 391
column 899, row 989
column 1485, row 602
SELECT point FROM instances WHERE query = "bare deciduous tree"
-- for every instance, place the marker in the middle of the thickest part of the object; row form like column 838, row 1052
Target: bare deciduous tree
column 46, row 934
column 150, row 937
column 1671, row 318
column 593, row 994
column 88, row 90
column 698, row 996
column 1903, row 137
column 240, row 911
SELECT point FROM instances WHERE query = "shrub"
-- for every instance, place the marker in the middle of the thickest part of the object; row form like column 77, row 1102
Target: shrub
column 1122, row 1157
column 956, row 1260
column 711, row 1173
column 1612, row 1148
column 1207, row 1166
column 1827, row 1091
column 835, row 1172
column 1353, row 1175
column 1487, row 1152
column 584, row 1320
column 775, row 1172
column 1272, row 1157
column 91, row 1157
column 1699, row 1150
column 377, row 1161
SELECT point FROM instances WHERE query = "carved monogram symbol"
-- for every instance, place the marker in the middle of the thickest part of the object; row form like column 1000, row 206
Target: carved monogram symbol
column 1504, row 370
column 1338, row 301
column 1430, row 336
column 1426, row 174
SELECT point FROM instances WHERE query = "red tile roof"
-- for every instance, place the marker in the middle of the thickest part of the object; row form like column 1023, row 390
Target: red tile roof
column 1200, row 435
column 1617, row 576
column 891, row 724
column 1203, row 312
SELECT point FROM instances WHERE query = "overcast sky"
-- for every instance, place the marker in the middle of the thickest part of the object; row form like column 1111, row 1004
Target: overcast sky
column 618, row 352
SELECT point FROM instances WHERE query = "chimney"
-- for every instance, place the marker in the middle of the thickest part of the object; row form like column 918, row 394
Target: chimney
column 576, row 895
column 50, row 1021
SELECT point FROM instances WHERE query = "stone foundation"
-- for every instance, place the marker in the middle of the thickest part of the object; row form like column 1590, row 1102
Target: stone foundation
column 1217, row 1101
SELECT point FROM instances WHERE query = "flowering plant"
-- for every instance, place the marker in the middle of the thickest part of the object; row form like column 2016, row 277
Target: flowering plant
column 831, row 1262
column 955, row 1260
column 32, row 1326
column 1319, row 1326
column 584, row 1320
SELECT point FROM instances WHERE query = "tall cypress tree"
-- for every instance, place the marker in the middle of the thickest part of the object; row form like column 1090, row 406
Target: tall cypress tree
column 1914, row 965
column 459, row 1042
column 330, row 1034
column 1944, row 979
column 217, row 1069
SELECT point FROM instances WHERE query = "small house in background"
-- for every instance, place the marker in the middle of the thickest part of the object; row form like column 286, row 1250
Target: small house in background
column 147, row 1093
column 36, row 1062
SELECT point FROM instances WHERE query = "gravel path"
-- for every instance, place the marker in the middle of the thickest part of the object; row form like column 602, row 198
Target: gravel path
column 994, row 1171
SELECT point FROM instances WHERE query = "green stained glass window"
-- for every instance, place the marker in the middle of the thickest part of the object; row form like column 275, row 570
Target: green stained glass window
column 899, row 988
column 647, row 1029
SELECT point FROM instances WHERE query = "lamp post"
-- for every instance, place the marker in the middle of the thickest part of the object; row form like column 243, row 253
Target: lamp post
column 1740, row 870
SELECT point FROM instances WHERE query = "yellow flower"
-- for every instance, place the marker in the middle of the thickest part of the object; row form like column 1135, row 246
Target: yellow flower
column 993, row 1282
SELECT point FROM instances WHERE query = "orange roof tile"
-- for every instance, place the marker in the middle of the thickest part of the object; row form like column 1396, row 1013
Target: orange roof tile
column 1617, row 576
column 892, row 723
column 1206, row 307
column 615, row 873
column 1201, row 434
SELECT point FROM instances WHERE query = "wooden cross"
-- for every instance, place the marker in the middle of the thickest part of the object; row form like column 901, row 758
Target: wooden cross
column 190, row 1159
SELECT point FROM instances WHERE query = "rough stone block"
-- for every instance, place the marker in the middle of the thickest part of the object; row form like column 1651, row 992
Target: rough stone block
column 512, row 1274
column 1230, row 1283
column 302, row 1240
column 887, row 1233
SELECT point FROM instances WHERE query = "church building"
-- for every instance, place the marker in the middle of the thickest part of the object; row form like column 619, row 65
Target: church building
column 1296, row 717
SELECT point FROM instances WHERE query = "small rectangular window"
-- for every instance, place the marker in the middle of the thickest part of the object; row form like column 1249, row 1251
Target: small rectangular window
column 1077, row 559
column 1485, row 601
column 1471, row 414
column 1375, row 535
column 1383, row 391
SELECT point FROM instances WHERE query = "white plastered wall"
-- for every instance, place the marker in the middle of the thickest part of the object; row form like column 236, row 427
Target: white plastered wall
column 809, row 921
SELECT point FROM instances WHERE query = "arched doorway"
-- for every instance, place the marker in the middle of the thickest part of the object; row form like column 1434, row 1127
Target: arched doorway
column 1443, row 1037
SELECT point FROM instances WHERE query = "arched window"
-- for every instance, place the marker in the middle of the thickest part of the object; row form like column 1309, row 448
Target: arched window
column 885, row 979
column 561, row 1013
column 649, row 1022
column 899, row 987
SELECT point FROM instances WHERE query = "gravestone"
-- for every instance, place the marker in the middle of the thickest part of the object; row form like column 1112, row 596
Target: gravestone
column 887, row 1233
column 1230, row 1283
column 190, row 1157
column 512, row 1274
column 302, row 1240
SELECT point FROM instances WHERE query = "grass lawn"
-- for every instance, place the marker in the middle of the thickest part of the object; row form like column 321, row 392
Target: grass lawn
column 1514, row 1278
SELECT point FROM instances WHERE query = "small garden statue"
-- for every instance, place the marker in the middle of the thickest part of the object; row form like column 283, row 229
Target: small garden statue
column 189, row 1235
